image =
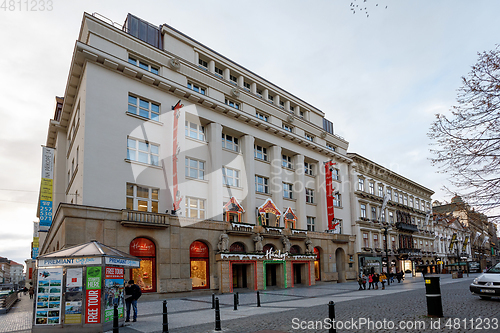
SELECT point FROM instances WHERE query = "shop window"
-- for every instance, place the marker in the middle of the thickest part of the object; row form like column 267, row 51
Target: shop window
column 145, row 275
column 198, row 252
column 317, row 266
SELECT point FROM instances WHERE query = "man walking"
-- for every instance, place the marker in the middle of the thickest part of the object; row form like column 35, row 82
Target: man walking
column 132, row 294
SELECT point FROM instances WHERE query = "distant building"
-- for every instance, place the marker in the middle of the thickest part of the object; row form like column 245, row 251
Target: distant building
column 16, row 273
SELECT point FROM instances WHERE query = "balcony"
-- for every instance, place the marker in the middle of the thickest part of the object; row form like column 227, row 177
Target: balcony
column 133, row 218
column 406, row 227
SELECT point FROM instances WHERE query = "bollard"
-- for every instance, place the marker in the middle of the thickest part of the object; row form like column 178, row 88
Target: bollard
column 433, row 295
column 235, row 302
column 238, row 297
column 165, row 317
column 331, row 315
column 115, row 319
column 213, row 301
column 258, row 299
column 217, row 315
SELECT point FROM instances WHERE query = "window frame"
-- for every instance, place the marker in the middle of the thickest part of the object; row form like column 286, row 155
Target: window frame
column 197, row 88
column 287, row 190
column 311, row 223
column 308, row 169
column 286, row 161
column 361, row 184
column 232, row 104
column 137, row 151
column 263, row 153
column 309, row 195
column 235, row 177
column 152, row 115
column 264, row 184
column 138, row 62
column 200, row 131
column 150, row 200
column 200, row 212
column 309, row 137
column 362, row 210
column 234, row 143
column 262, row 116
column 287, row 128
column 188, row 167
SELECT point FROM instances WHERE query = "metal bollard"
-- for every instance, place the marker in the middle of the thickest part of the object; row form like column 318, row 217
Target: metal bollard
column 217, row 315
column 165, row 317
column 258, row 299
column 235, row 302
column 213, row 301
column 331, row 315
column 433, row 295
column 238, row 297
column 115, row 319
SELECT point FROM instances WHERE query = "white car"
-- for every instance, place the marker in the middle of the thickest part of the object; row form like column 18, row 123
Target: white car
column 487, row 285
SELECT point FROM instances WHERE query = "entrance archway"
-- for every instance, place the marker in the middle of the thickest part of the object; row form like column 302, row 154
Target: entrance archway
column 340, row 262
column 145, row 275
column 198, row 253
column 317, row 265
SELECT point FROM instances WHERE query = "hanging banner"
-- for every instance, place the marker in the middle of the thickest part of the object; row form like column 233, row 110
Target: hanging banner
column 93, row 296
column 113, row 292
column 329, row 194
column 36, row 240
column 175, row 157
column 48, row 296
column 452, row 242
column 464, row 248
column 45, row 212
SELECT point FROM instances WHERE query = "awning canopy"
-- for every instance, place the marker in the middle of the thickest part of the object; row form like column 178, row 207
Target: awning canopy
column 269, row 207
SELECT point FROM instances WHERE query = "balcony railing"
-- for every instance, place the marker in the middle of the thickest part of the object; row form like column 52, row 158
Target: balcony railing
column 146, row 218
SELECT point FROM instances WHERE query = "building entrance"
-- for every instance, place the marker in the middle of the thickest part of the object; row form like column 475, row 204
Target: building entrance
column 240, row 275
column 299, row 274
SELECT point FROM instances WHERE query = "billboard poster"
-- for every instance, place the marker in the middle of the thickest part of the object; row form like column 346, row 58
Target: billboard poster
column 48, row 296
column 329, row 195
column 45, row 212
column 36, row 240
column 93, row 295
column 73, row 299
column 113, row 292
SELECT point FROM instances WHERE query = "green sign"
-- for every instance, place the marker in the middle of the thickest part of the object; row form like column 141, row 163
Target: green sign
column 94, row 278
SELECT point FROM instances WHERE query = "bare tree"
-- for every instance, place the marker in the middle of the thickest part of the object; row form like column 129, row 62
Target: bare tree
column 467, row 144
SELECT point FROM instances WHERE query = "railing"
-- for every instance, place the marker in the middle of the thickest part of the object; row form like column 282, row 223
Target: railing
column 6, row 302
column 144, row 217
column 273, row 230
column 237, row 226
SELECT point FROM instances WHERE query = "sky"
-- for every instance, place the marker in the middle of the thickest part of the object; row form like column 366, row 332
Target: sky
column 379, row 74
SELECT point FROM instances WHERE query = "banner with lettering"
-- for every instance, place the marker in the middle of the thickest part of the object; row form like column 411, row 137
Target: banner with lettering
column 113, row 292
column 48, row 296
column 329, row 194
column 93, row 296
column 45, row 212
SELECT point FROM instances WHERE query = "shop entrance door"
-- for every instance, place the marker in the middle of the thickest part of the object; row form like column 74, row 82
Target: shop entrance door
column 297, row 273
column 199, row 265
column 240, row 275
column 271, row 274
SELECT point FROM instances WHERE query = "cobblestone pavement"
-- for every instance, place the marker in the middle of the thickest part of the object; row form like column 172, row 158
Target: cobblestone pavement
column 19, row 318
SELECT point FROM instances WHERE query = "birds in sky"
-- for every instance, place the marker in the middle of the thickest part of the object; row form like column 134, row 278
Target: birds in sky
column 363, row 10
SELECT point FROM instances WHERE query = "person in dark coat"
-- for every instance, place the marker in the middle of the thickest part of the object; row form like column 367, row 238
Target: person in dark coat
column 132, row 294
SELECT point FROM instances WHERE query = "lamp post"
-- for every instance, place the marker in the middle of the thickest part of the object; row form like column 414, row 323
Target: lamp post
column 387, row 255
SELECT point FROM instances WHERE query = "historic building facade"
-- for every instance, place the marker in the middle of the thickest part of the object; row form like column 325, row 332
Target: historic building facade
column 167, row 150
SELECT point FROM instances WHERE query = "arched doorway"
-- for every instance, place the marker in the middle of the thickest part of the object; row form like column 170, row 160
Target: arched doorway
column 145, row 275
column 317, row 265
column 340, row 263
column 198, row 253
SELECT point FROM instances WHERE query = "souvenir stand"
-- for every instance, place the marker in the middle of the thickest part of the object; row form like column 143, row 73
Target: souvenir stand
column 77, row 288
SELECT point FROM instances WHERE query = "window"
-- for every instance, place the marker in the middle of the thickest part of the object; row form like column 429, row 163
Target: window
column 393, row 242
column 260, row 152
column 203, row 64
column 259, row 93
column 230, row 177
column 142, row 198
column 142, row 151
column 286, row 162
column 301, row 114
column 366, row 241
column 310, row 223
column 196, row 88
column 266, row 220
column 361, row 184
column 233, row 78
column 261, row 184
column 309, row 195
column 371, row 188
column 232, row 104
column 384, row 240
column 195, row 168
column 292, row 108
column 308, row 168
column 363, row 210
column 382, row 215
column 411, row 202
column 195, row 208
column 380, row 191
column 389, row 193
column 405, row 200
column 337, row 202
column 335, row 174
column 375, row 241
column 246, row 85
column 194, row 131
column 143, row 108
column 288, row 128
column 261, row 116
column 230, row 142
column 309, row 137
column 287, row 191
column 270, row 98
column 374, row 213
column 143, row 65
column 417, row 202
column 282, row 104
column 330, row 146
column 219, row 72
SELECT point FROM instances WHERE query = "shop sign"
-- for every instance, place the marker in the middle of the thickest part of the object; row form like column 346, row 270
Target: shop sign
column 122, row 262
column 142, row 247
column 48, row 296
column 93, row 296
column 276, row 255
column 198, row 250
column 329, row 195
column 69, row 261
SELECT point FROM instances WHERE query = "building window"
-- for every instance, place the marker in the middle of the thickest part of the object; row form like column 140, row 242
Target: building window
column 371, row 188
column 233, row 79
column 219, row 72
column 195, row 208
column 393, row 242
column 308, row 168
column 194, row 131
column 375, row 241
column 246, row 85
column 301, row 114
column 230, row 177
column 330, row 146
column 261, row 116
column 363, row 210
column 380, row 191
column 202, row 63
column 197, row 88
column 142, row 151
column 335, row 174
column 337, row 202
column 405, row 200
column 266, row 220
column 261, row 184
column 418, row 203
column 286, row 161
column 195, row 168
column 374, row 213
column 259, row 93
column 389, row 193
column 232, row 104
column 310, row 224
column 143, row 108
column 309, row 195
column 282, row 104
column 288, row 128
column 292, row 109
column 141, row 198
column 382, row 216
column 411, row 202
column 143, row 65
column 260, row 152
column 309, row 137
column 270, row 98
column 287, row 191
column 366, row 241
column 361, row 184
column 230, row 142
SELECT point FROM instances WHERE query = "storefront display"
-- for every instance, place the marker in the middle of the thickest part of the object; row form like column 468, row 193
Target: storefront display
column 48, row 296
column 145, row 275
column 199, row 265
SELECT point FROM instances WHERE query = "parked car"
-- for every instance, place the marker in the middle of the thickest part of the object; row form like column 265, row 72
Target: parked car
column 487, row 285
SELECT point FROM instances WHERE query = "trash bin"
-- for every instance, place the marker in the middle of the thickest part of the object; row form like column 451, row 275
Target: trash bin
column 460, row 274
column 433, row 295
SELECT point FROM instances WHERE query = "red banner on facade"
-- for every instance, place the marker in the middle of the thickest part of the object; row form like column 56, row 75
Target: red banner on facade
column 114, row 273
column 329, row 194
column 177, row 196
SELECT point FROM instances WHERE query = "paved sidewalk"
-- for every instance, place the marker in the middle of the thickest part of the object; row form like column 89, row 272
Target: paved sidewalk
column 20, row 316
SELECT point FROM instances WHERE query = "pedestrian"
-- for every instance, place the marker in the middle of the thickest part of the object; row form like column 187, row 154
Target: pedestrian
column 391, row 276
column 398, row 276
column 25, row 290
column 370, row 281
column 31, row 291
column 132, row 294
column 360, row 282
column 383, row 279
column 364, row 281
column 376, row 279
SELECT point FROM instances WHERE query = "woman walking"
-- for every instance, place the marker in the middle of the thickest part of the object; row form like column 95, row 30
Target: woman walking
column 370, row 281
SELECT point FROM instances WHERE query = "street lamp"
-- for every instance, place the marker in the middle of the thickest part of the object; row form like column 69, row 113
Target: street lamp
column 387, row 253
